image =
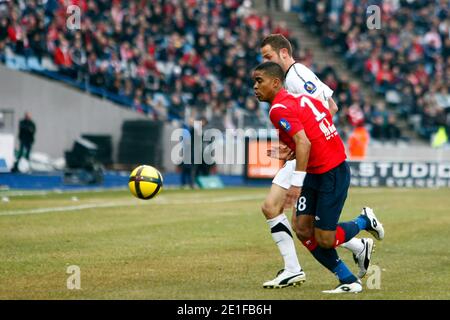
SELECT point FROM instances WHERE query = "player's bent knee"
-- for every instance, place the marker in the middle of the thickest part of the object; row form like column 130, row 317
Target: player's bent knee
column 303, row 234
column 269, row 211
column 325, row 238
column 326, row 242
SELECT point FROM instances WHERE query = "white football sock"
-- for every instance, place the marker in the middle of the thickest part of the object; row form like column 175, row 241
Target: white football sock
column 355, row 245
column 282, row 235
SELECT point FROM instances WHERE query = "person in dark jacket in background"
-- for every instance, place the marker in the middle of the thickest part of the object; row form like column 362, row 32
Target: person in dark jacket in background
column 27, row 129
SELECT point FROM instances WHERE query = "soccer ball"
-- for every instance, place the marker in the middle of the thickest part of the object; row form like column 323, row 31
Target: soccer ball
column 145, row 182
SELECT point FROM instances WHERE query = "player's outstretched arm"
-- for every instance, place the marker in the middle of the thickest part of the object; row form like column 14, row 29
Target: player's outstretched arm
column 302, row 149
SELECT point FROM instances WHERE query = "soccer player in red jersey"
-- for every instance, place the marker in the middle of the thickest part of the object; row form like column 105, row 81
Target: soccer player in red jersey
column 321, row 178
column 298, row 79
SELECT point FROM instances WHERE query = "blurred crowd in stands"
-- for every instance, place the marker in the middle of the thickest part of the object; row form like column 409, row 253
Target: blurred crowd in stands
column 191, row 59
column 407, row 60
column 163, row 58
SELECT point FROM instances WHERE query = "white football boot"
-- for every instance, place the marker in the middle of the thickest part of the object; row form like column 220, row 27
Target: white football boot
column 363, row 258
column 375, row 227
column 286, row 278
column 353, row 287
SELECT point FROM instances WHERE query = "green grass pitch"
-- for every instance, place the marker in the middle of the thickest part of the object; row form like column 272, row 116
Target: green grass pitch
column 206, row 245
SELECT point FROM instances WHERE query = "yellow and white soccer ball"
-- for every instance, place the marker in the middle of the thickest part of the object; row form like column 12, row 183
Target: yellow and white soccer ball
column 145, row 182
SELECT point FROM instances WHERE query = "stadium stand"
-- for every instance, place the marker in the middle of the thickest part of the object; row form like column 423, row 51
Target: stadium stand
column 408, row 63
column 157, row 57
column 176, row 59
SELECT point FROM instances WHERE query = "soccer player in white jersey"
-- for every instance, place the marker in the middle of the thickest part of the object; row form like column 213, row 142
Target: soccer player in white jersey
column 299, row 79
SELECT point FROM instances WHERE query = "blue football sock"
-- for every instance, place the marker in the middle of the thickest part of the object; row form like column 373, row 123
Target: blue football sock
column 350, row 228
column 343, row 273
column 362, row 222
column 327, row 257
column 330, row 260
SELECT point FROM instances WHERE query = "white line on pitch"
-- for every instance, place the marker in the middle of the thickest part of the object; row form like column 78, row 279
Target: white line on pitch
column 159, row 201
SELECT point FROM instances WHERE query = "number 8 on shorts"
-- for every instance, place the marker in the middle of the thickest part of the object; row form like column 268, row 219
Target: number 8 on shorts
column 301, row 204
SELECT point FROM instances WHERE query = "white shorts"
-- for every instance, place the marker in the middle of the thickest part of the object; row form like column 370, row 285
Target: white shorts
column 283, row 176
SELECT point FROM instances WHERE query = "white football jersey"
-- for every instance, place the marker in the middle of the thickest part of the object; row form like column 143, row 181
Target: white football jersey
column 300, row 79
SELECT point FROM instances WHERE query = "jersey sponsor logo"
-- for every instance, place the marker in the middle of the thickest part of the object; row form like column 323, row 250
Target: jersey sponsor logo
column 285, row 125
column 310, row 87
column 329, row 130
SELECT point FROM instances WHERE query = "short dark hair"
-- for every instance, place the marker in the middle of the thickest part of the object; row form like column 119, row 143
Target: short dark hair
column 272, row 69
column 277, row 41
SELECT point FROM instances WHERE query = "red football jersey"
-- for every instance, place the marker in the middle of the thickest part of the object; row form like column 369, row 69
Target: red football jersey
column 292, row 113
